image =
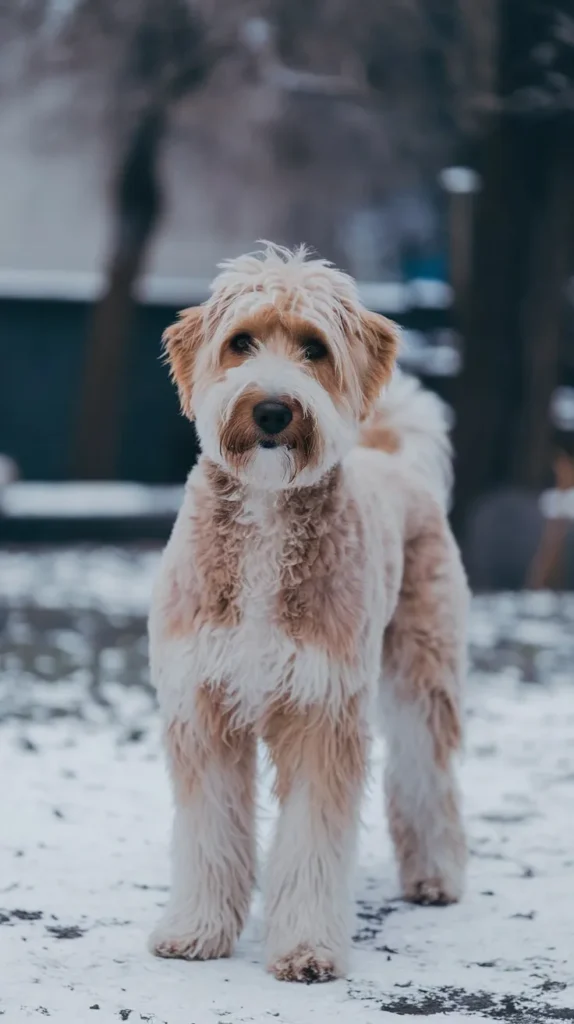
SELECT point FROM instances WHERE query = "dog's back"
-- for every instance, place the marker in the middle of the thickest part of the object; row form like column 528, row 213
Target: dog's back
column 411, row 424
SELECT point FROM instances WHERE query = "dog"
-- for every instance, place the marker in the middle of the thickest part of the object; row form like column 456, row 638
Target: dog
column 311, row 583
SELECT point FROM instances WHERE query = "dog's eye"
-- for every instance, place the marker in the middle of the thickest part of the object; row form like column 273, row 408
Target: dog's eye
column 314, row 349
column 241, row 343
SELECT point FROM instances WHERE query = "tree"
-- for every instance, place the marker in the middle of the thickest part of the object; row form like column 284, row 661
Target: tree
column 521, row 256
column 133, row 62
column 165, row 58
column 139, row 61
column 355, row 99
column 420, row 65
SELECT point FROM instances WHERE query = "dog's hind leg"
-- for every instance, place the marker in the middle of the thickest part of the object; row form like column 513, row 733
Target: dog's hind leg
column 423, row 671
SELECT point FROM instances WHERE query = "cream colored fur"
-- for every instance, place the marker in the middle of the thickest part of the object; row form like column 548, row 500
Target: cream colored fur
column 339, row 592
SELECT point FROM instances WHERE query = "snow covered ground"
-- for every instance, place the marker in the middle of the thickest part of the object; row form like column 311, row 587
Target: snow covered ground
column 85, row 810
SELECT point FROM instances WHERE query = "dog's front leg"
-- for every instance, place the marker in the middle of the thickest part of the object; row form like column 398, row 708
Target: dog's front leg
column 319, row 756
column 212, row 766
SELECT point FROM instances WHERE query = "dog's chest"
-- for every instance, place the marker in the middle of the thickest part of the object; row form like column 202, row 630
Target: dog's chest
column 297, row 621
column 261, row 566
column 304, row 576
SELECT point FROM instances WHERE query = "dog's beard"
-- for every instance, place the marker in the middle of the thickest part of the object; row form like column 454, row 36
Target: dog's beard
column 264, row 460
column 317, row 437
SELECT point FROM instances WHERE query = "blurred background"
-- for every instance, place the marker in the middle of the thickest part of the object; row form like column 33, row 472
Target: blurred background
column 426, row 146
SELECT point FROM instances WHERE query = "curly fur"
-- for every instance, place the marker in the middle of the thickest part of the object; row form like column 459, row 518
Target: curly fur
column 303, row 587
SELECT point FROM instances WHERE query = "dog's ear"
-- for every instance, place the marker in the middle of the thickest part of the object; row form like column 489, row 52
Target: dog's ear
column 380, row 337
column 181, row 342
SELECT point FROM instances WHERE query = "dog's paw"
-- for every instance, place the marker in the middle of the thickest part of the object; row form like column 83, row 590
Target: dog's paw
column 432, row 892
column 175, row 939
column 306, row 965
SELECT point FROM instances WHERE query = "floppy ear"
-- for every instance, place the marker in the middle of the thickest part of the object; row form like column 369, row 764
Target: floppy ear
column 181, row 342
column 380, row 337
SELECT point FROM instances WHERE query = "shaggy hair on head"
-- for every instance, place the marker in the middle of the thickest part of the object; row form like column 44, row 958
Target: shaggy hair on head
column 310, row 585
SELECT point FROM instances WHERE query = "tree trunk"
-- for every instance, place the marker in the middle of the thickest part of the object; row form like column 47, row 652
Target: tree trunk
column 488, row 393
column 137, row 204
column 520, row 260
column 551, row 253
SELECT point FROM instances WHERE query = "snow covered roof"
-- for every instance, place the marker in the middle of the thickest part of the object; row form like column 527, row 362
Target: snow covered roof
column 32, row 500
column 82, row 286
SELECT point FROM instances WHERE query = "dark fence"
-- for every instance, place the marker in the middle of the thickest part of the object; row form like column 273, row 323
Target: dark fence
column 41, row 364
column 42, row 349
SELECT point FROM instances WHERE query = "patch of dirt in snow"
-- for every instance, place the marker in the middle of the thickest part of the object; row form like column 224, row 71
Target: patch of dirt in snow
column 456, row 1000
column 85, row 815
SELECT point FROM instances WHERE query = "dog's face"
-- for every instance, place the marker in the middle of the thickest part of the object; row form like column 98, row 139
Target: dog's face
column 279, row 367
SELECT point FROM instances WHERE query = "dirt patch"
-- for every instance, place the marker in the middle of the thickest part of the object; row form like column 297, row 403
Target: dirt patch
column 60, row 931
column 456, row 1000
column 374, row 918
column 20, row 915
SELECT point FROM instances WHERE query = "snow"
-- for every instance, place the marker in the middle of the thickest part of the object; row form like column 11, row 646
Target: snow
column 8, row 471
column 562, row 408
column 557, row 504
column 87, row 286
column 76, row 500
column 460, row 180
column 417, row 356
column 85, row 812
column 425, row 293
column 82, row 286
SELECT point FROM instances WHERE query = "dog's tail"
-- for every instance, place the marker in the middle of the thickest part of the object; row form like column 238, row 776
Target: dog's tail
column 411, row 424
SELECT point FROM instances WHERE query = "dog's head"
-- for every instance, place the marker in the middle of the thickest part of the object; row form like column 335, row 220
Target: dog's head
column 279, row 367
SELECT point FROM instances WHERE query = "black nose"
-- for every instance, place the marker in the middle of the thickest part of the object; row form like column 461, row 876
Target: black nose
column 272, row 417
